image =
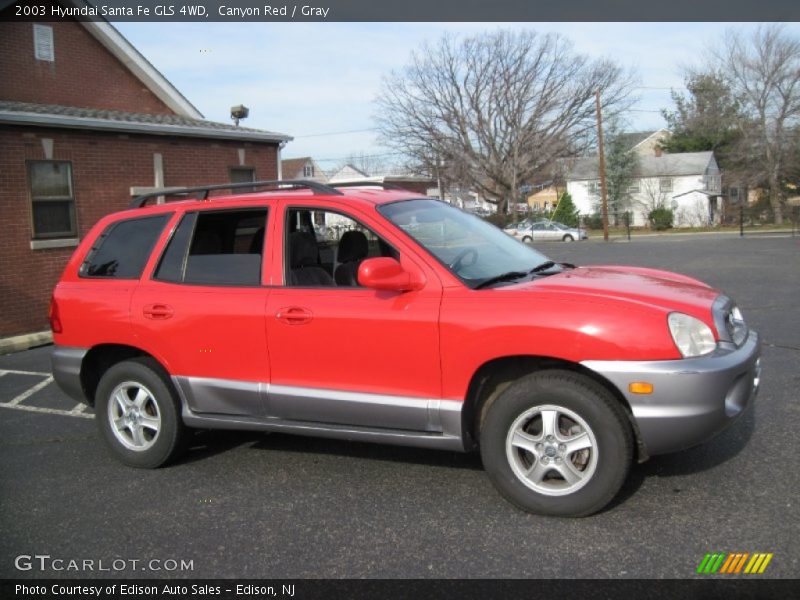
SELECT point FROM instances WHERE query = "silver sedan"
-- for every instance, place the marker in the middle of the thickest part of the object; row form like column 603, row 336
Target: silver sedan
column 547, row 231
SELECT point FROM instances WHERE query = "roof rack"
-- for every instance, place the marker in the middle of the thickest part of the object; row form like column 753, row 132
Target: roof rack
column 203, row 190
column 383, row 184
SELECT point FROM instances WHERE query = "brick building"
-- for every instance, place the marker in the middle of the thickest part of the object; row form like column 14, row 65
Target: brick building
column 86, row 122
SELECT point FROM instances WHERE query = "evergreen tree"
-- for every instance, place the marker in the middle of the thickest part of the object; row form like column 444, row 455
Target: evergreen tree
column 566, row 212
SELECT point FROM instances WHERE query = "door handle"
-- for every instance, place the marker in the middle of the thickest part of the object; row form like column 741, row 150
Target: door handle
column 158, row 312
column 294, row 315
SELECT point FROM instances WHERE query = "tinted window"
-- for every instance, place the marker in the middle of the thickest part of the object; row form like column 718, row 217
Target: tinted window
column 123, row 248
column 216, row 248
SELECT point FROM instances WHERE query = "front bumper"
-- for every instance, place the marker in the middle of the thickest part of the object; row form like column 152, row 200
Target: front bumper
column 692, row 399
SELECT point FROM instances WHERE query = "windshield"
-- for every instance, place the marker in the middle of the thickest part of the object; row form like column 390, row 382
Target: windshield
column 472, row 249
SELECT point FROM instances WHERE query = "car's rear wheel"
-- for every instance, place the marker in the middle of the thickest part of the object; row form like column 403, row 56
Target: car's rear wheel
column 138, row 414
column 568, row 238
column 556, row 443
column 527, row 239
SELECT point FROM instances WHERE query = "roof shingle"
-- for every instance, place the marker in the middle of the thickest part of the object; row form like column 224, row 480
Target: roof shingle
column 93, row 118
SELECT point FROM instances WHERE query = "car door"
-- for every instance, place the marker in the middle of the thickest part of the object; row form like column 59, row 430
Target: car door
column 201, row 311
column 341, row 353
column 539, row 232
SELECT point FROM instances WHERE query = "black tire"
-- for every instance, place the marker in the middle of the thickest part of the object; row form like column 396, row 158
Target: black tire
column 598, row 471
column 527, row 239
column 568, row 238
column 160, row 404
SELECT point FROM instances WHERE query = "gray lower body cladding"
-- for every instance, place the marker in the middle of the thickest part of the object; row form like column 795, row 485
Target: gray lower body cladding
column 223, row 404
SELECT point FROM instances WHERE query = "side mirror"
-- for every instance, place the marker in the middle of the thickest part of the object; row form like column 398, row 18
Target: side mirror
column 384, row 273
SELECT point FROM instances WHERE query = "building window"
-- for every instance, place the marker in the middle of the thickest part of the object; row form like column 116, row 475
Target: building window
column 633, row 187
column 43, row 47
column 52, row 199
column 308, row 171
column 665, row 184
column 594, row 188
column 242, row 175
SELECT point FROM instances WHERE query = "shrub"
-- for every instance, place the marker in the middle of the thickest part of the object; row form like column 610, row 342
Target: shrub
column 660, row 218
column 593, row 221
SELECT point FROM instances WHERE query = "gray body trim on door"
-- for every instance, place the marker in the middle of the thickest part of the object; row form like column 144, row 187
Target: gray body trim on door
column 408, row 421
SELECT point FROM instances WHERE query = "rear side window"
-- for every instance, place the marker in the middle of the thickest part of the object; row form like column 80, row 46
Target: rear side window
column 216, row 248
column 122, row 250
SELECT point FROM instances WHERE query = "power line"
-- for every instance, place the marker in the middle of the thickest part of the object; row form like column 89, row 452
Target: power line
column 327, row 133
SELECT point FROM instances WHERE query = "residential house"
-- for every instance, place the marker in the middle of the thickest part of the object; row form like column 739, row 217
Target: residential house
column 302, row 168
column 688, row 183
column 86, row 123
column 543, row 200
column 420, row 184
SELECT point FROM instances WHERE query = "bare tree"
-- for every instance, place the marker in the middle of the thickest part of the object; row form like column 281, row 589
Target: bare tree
column 494, row 110
column 763, row 71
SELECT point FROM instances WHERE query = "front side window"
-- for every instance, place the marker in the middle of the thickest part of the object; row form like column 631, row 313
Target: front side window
column 122, row 250
column 52, row 199
column 216, row 248
column 325, row 248
column 472, row 249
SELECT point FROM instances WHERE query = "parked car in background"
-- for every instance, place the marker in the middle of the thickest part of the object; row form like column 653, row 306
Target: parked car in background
column 546, row 231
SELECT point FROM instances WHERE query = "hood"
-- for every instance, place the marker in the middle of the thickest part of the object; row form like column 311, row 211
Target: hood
column 669, row 291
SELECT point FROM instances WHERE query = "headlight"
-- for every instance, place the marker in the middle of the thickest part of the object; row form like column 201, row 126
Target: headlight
column 691, row 336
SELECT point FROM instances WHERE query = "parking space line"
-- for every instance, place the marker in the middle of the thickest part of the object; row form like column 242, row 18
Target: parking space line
column 15, row 372
column 49, row 411
column 79, row 408
column 30, row 392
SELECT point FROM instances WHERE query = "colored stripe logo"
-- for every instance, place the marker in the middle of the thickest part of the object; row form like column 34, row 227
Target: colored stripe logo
column 734, row 563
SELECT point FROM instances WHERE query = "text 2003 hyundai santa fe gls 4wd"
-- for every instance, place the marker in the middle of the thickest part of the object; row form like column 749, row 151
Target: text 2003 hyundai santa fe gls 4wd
column 377, row 315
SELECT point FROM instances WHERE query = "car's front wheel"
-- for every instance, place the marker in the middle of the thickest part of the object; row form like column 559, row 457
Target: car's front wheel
column 568, row 238
column 556, row 443
column 527, row 239
column 138, row 414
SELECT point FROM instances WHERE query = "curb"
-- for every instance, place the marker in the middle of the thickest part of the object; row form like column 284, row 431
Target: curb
column 24, row 342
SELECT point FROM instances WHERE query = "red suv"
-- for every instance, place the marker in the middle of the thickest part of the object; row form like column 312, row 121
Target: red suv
column 374, row 314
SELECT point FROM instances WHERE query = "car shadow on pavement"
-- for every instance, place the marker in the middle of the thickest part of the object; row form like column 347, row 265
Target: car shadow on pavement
column 377, row 452
column 207, row 443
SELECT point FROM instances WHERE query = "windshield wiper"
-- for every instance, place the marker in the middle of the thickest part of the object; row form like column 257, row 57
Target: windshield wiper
column 549, row 264
column 508, row 276
column 511, row 275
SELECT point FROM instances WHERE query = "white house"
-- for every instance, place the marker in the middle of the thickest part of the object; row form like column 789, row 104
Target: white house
column 689, row 183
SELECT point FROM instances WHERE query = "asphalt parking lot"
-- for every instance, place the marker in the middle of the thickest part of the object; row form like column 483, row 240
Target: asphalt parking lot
column 276, row 506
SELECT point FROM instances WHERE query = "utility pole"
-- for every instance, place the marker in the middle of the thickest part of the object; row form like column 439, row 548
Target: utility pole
column 601, row 153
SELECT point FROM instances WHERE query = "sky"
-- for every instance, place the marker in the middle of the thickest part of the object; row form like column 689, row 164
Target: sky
column 317, row 81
